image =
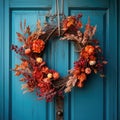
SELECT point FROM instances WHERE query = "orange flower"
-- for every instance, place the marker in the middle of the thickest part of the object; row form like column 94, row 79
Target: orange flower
column 71, row 21
column 76, row 71
column 89, row 49
column 38, row 45
column 84, row 54
column 82, row 77
column 68, row 22
column 56, row 75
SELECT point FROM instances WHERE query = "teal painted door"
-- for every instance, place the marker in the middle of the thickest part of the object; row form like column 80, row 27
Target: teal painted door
column 98, row 100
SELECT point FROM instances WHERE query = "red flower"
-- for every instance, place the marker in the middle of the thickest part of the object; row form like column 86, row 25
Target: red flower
column 92, row 58
column 45, row 69
column 44, row 87
column 38, row 75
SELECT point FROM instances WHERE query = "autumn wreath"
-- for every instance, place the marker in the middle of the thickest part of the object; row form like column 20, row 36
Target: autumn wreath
column 36, row 75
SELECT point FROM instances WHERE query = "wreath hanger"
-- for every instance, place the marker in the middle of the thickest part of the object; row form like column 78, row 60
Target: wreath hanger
column 58, row 15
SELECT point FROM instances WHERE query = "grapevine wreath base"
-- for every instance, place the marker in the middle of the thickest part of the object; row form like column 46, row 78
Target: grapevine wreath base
column 35, row 73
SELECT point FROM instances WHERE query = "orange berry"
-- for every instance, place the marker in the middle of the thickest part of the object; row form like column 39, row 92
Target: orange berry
column 27, row 51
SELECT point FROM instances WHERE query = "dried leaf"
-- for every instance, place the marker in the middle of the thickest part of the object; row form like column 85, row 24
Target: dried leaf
column 21, row 26
column 16, row 67
column 74, row 82
column 102, row 75
column 22, row 79
column 38, row 25
column 24, row 86
column 104, row 62
column 21, row 38
column 88, row 20
column 96, row 42
column 95, row 71
column 27, row 30
column 25, row 91
column 17, row 73
column 68, row 83
column 24, row 23
column 68, row 89
column 94, row 30
column 19, row 35
column 98, row 48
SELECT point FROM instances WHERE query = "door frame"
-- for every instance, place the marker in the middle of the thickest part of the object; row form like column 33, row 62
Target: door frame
column 112, row 85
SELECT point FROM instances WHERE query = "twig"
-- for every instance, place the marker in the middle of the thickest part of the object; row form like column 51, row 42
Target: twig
column 51, row 34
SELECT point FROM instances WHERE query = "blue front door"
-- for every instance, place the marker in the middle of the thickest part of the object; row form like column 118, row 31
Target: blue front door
column 98, row 99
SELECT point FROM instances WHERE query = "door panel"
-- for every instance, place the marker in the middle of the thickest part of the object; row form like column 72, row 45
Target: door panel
column 26, row 106
column 98, row 99
column 91, row 97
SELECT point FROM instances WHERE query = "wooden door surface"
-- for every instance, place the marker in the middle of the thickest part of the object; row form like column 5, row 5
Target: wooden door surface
column 98, row 100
